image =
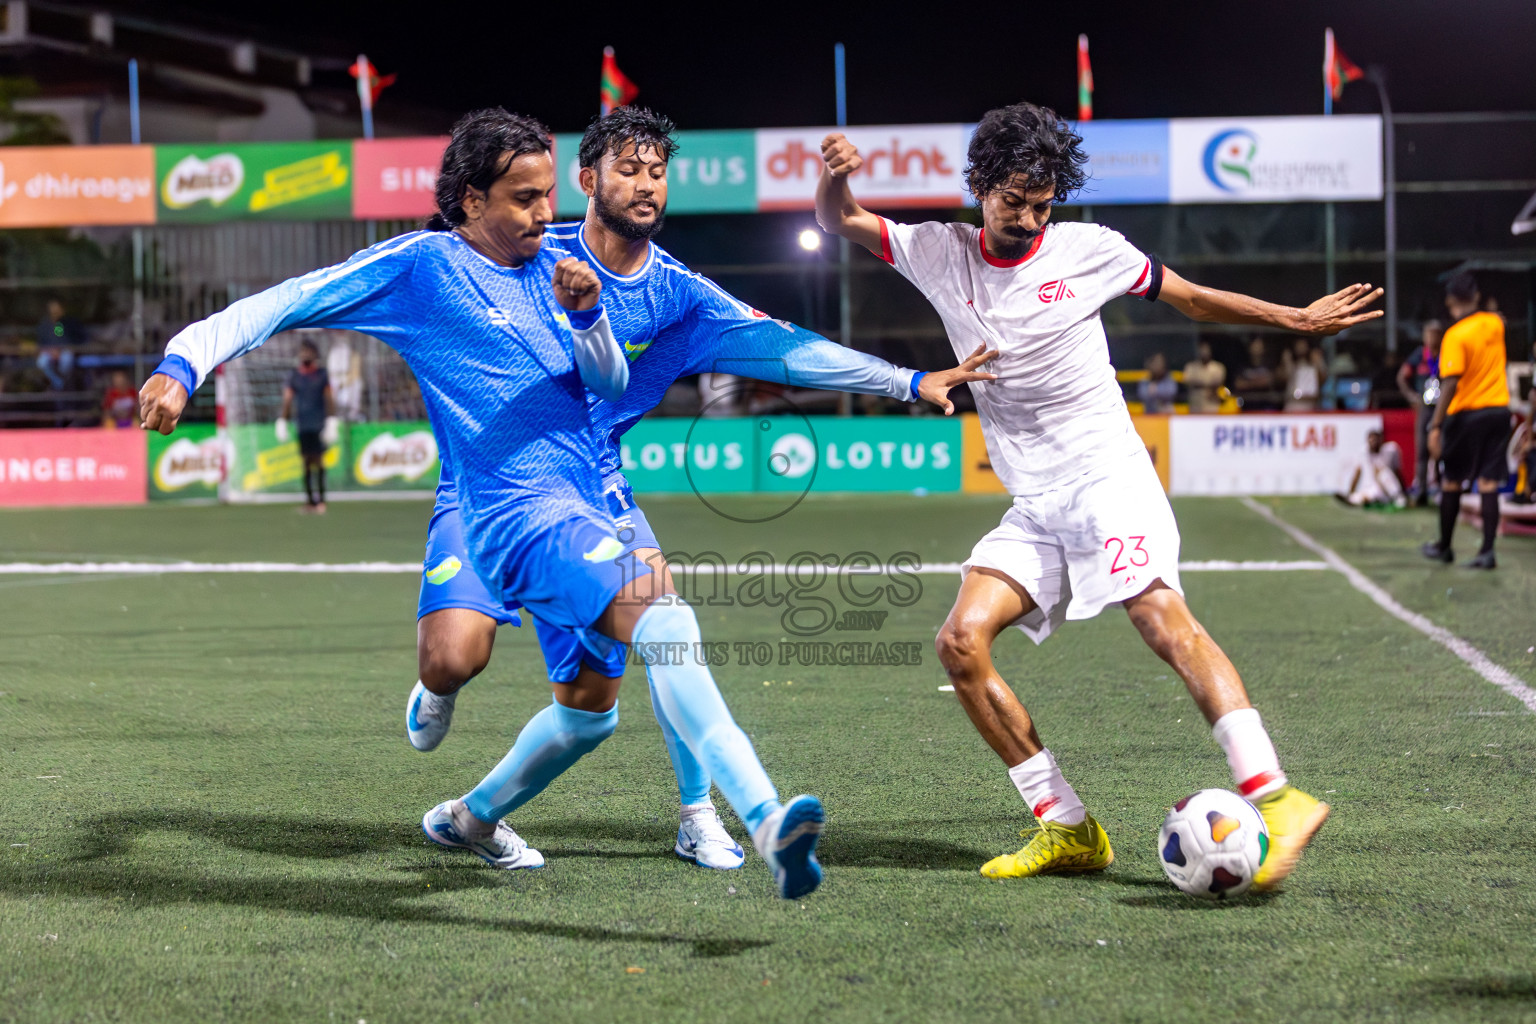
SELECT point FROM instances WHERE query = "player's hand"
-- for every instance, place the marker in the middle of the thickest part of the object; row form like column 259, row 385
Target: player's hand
column 161, row 401
column 331, row 432
column 280, row 430
column 577, row 287
column 935, row 385
column 1434, row 443
column 841, row 156
column 1332, row 313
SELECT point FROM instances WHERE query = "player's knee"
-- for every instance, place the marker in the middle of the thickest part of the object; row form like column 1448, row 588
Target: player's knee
column 586, row 729
column 959, row 648
column 453, row 664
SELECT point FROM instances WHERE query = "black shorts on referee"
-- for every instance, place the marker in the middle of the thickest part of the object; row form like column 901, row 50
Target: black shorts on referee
column 1475, row 445
column 311, row 442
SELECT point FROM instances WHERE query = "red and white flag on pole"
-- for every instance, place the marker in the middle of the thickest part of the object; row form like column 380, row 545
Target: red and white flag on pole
column 1084, row 81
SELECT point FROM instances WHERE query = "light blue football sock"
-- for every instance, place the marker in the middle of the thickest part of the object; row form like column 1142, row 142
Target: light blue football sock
column 692, row 777
column 552, row 741
column 667, row 638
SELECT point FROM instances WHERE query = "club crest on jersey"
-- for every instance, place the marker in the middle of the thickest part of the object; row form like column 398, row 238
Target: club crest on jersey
column 1055, row 291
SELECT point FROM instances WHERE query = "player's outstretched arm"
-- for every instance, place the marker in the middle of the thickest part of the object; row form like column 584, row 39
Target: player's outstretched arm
column 599, row 359
column 356, row 293
column 1328, row 315
column 836, row 209
column 935, row 386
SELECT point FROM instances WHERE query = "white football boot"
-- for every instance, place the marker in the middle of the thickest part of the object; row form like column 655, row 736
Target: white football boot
column 702, row 839
column 450, row 824
column 427, row 717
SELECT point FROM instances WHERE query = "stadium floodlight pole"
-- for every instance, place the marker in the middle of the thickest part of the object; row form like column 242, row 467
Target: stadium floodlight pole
column 1377, row 75
column 137, row 321
column 844, row 250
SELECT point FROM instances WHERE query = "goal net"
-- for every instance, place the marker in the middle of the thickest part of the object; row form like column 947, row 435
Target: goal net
column 385, row 445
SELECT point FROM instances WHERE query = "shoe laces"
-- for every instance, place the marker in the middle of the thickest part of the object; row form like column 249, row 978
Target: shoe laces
column 707, row 829
column 506, row 838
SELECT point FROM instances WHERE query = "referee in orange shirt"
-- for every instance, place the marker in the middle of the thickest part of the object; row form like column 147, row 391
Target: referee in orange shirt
column 1470, row 428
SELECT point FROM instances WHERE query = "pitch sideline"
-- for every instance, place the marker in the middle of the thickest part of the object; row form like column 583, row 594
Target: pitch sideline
column 1475, row 659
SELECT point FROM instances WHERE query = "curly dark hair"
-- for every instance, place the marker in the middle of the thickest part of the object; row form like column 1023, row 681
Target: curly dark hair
column 1029, row 140
column 609, row 133
column 481, row 148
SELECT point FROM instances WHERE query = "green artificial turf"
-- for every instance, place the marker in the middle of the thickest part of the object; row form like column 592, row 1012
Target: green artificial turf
column 208, row 810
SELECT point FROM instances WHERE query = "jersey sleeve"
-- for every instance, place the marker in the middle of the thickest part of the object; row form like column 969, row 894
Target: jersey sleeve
column 725, row 335
column 1453, row 350
column 922, row 253
column 360, row 294
column 1123, row 269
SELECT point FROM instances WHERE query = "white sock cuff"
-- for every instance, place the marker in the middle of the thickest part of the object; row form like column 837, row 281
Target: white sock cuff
column 691, row 809
column 1234, row 720
column 1042, row 762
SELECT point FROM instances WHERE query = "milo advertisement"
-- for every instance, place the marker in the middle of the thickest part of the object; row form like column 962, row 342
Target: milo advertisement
column 266, row 180
column 259, row 463
column 187, row 464
column 394, row 456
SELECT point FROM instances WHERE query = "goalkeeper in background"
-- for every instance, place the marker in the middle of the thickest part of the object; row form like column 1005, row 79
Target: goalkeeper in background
column 309, row 405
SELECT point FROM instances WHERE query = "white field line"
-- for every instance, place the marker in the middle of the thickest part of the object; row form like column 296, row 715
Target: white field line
column 1475, row 659
column 412, row 568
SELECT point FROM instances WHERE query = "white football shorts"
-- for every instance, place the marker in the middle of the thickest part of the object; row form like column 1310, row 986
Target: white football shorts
column 1097, row 540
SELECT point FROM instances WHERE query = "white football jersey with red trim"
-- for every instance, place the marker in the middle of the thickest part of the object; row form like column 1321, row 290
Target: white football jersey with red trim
column 1056, row 410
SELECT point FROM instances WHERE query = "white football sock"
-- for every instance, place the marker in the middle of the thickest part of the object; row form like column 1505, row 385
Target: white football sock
column 693, row 810
column 1046, row 792
column 1255, row 766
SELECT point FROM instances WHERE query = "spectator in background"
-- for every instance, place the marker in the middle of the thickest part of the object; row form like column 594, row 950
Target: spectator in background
column 57, row 337
column 1419, row 381
column 1303, row 370
column 1158, row 390
column 308, row 402
column 1470, row 428
column 120, row 405
column 1204, row 378
column 1377, row 480
column 1255, row 383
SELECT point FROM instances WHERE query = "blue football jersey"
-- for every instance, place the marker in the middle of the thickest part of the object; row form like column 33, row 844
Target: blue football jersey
column 492, row 352
column 673, row 323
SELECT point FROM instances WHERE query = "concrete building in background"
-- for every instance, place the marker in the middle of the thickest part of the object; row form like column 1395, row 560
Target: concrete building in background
column 194, row 85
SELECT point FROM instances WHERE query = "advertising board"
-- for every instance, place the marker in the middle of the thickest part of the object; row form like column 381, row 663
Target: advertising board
column 48, row 186
column 187, row 464
column 1260, row 454
column 911, row 165
column 394, row 456
column 1274, row 159
column 395, row 178
column 72, row 467
column 266, row 180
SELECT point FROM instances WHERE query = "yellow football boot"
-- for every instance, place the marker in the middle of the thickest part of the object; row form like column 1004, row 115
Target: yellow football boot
column 1055, row 847
column 1292, row 818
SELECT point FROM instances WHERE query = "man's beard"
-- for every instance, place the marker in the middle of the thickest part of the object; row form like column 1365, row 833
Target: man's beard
column 1011, row 247
column 616, row 219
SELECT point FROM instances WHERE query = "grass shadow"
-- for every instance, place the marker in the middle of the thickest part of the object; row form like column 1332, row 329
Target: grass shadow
column 849, row 844
column 1519, row 988
column 104, row 868
column 1173, row 899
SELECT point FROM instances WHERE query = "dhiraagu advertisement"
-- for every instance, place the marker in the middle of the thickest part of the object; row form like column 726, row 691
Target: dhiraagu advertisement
column 186, row 464
column 259, row 464
column 394, row 456
column 267, row 180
